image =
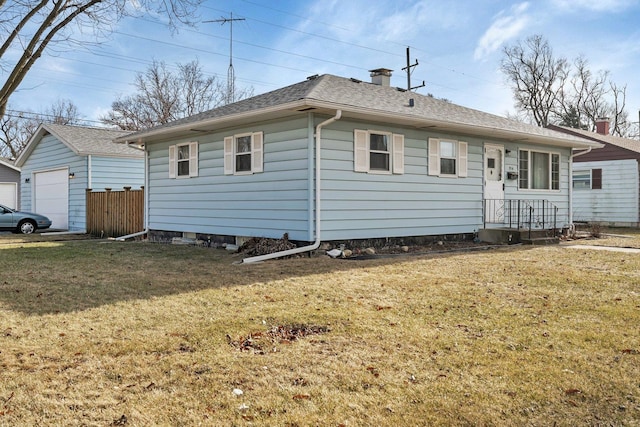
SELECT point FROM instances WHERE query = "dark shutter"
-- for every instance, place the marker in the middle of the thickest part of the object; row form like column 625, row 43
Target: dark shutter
column 596, row 179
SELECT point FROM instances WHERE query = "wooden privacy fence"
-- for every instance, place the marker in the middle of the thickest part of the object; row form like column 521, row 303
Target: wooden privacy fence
column 115, row 213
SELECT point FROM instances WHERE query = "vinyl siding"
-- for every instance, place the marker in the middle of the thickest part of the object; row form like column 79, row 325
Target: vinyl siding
column 354, row 205
column 116, row 173
column 617, row 201
column 266, row 204
column 368, row 205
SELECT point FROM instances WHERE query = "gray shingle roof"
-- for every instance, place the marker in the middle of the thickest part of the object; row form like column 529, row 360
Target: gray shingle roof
column 92, row 140
column 362, row 99
column 626, row 143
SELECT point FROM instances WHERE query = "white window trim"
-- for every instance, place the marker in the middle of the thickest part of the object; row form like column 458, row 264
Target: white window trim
column 193, row 160
column 529, row 171
column 582, row 172
column 257, row 153
column 362, row 152
column 462, row 155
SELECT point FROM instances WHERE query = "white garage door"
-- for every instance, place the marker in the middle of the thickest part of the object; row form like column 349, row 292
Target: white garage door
column 8, row 194
column 51, row 196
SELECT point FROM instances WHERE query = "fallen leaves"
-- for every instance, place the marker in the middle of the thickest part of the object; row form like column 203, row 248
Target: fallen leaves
column 283, row 334
column 301, row 397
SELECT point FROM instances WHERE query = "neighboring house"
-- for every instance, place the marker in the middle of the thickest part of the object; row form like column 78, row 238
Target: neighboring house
column 333, row 158
column 606, row 181
column 9, row 184
column 60, row 162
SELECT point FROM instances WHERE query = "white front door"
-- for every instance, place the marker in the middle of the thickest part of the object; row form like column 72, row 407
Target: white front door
column 494, row 183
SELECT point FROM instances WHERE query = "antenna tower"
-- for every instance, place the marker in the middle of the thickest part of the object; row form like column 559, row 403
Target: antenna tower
column 231, row 78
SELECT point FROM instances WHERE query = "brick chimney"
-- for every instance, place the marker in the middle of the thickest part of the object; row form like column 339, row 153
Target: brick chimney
column 381, row 76
column 602, row 125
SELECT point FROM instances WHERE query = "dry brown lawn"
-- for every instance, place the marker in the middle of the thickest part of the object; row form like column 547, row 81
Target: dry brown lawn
column 104, row 333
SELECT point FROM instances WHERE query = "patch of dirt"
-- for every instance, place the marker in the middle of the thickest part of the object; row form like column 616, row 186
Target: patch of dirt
column 280, row 334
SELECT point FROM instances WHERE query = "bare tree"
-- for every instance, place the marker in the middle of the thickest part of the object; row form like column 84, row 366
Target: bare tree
column 536, row 77
column 12, row 140
column 30, row 27
column 549, row 90
column 17, row 128
column 163, row 96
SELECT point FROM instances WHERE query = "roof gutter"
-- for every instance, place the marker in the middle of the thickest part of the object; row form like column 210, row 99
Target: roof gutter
column 315, row 244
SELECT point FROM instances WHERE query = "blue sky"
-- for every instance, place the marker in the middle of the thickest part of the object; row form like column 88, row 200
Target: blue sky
column 457, row 43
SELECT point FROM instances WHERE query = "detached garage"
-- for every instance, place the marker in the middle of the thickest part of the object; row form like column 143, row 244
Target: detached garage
column 9, row 184
column 51, row 196
column 61, row 162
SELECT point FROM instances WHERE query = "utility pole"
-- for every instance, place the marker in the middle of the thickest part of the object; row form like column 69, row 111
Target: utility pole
column 231, row 78
column 409, row 69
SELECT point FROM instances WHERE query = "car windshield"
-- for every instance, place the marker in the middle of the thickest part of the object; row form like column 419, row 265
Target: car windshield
column 6, row 209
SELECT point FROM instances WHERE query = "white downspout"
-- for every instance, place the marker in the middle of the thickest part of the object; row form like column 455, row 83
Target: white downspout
column 315, row 244
column 146, row 201
column 573, row 155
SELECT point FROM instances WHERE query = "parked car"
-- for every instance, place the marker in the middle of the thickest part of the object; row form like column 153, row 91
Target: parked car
column 22, row 222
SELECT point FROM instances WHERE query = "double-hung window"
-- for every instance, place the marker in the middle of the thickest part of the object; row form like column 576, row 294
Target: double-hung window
column 243, row 154
column 378, row 152
column 447, row 157
column 183, row 160
column 538, row 170
column 589, row 179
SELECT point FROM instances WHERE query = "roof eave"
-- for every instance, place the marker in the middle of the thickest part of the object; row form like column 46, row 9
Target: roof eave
column 464, row 128
column 9, row 165
column 307, row 104
column 162, row 133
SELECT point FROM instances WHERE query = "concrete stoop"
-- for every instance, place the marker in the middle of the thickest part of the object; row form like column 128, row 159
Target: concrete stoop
column 512, row 236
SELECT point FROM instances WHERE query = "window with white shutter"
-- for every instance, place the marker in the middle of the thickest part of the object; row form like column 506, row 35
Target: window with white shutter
column 448, row 158
column 183, row 160
column 378, row 152
column 244, row 154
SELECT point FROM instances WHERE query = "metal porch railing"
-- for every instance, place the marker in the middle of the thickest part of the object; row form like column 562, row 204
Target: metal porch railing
column 530, row 214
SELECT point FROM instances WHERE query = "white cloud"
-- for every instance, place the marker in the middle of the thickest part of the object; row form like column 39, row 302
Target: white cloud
column 505, row 26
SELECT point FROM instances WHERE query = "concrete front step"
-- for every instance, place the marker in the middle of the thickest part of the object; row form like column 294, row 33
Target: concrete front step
column 512, row 236
column 541, row 241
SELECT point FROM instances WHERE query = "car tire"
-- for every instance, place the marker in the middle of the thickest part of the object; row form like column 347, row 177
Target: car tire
column 27, row 227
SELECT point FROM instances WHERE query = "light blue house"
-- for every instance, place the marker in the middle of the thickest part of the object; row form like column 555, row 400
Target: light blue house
column 334, row 159
column 9, row 184
column 60, row 162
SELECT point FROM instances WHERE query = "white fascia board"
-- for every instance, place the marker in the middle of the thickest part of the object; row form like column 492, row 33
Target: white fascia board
column 351, row 111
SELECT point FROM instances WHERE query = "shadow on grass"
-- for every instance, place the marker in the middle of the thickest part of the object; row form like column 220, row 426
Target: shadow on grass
column 66, row 276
